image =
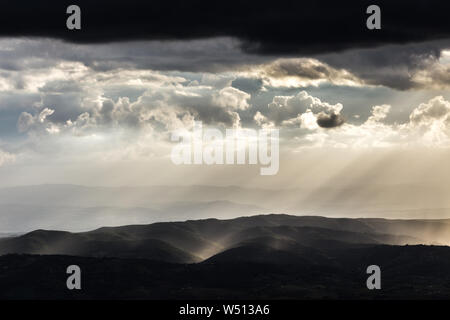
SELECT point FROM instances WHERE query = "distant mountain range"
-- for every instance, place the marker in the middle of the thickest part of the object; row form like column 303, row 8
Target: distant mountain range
column 8, row 234
column 81, row 208
column 266, row 256
column 28, row 217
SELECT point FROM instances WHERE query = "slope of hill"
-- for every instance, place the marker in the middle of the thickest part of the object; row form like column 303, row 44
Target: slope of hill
column 56, row 242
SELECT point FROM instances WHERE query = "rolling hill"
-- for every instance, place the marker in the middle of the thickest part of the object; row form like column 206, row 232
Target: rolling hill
column 255, row 257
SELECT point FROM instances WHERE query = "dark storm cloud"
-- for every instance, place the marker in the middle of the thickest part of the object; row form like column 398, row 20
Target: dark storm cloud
column 332, row 120
column 281, row 27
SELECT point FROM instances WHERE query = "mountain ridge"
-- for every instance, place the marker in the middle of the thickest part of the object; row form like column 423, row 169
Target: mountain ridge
column 192, row 241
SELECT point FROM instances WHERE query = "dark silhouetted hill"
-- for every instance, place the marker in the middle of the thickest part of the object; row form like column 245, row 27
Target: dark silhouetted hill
column 259, row 257
column 259, row 272
column 193, row 241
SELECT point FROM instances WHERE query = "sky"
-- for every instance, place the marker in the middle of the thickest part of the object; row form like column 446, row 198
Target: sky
column 354, row 106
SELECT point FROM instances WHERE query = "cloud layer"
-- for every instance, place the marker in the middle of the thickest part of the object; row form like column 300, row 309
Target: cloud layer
column 283, row 27
column 121, row 100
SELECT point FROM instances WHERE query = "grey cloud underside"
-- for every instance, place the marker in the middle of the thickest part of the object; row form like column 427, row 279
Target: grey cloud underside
column 208, row 55
column 392, row 66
